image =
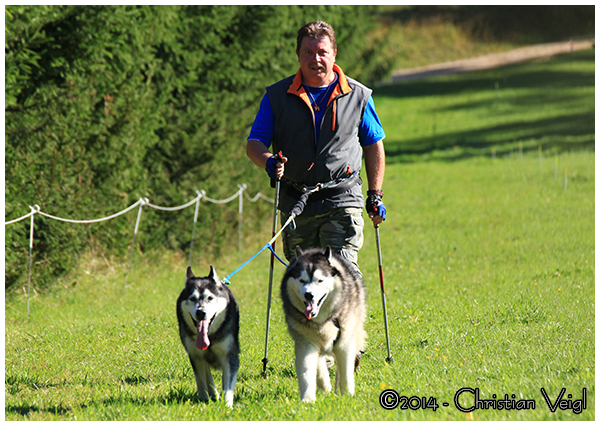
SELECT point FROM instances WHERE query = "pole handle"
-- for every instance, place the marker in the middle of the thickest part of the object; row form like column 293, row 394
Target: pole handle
column 279, row 158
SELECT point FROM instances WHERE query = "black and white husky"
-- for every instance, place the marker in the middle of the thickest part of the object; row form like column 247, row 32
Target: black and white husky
column 324, row 304
column 209, row 320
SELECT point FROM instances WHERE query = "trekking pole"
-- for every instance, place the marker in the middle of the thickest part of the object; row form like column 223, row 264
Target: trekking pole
column 276, row 204
column 295, row 212
column 385, row 318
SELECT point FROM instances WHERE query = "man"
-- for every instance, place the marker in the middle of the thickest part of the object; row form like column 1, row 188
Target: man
column 322, row 122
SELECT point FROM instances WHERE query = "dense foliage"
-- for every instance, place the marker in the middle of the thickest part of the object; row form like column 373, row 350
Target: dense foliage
column 105, row 104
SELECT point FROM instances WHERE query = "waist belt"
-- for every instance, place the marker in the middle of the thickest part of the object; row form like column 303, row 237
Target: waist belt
column 319, row 191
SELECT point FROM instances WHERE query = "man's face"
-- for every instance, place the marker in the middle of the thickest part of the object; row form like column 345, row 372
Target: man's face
column 316, row 57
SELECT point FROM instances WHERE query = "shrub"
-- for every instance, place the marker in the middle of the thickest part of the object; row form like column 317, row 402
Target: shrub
column 107, row 104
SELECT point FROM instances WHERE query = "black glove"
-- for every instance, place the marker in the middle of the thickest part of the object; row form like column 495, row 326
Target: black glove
column 271, row 166
column 374, row 203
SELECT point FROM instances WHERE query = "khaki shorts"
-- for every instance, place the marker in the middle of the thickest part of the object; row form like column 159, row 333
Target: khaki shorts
column 341, row 229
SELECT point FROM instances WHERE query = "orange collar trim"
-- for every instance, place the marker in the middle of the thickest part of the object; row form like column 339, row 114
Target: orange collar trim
column 341, row 88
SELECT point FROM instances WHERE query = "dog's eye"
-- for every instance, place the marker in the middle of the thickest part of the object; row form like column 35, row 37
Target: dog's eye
column 193, row 299
column 209, row 298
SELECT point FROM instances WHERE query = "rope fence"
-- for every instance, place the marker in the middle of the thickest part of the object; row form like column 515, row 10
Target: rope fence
column 201, row 195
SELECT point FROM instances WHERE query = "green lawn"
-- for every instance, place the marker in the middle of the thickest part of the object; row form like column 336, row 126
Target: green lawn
column 488, row 264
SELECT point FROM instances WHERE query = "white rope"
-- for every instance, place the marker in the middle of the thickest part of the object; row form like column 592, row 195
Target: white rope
column 257, row 196
column 21, row 218
column 201, row 195
column 144, row 200
column 141, row 203
column 172, row 209
column 227, row 200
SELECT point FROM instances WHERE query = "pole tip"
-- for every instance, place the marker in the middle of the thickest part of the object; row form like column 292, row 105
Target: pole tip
column 265, row 361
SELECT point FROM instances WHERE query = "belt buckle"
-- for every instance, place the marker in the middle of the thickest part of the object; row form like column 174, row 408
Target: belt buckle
column 315, row 188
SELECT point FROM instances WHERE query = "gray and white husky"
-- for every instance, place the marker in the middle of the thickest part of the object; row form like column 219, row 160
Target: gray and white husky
column 209, row 320
column 324, row 304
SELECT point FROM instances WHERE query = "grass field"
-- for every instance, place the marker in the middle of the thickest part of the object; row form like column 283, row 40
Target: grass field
column 488, row 263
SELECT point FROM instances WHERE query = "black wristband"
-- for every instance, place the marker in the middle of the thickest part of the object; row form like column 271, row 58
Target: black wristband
column 377, row 192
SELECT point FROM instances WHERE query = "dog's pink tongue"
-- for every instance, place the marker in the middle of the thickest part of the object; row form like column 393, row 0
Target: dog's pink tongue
column 310, row 309
column 202, row 341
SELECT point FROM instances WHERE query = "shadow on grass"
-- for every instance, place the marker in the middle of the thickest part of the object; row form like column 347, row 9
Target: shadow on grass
column 135, row 380
column 453, row 146
column 172, row 396
column 549, row 89
column 517, row 77
column 25, row 410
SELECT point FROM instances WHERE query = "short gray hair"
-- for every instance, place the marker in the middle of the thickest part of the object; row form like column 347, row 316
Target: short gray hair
column 316, row 29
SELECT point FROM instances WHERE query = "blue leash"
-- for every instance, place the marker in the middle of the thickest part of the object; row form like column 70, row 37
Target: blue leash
column 275, row 254
column 268, row 245
column 296, row 211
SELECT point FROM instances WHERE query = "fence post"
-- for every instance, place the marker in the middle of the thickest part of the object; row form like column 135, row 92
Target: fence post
column 521, row 150
column 200, row 195
column 240, row 214
column 143, row 202
column 34, row 209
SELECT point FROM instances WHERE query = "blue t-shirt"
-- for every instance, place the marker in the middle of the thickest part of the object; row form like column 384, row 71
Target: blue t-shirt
column 370, row 132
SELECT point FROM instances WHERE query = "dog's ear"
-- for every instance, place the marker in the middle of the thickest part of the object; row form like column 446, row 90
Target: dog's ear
column 213, row 275
column 329, row 256
column 298, row 251
column 328, row 253
column 189, row 274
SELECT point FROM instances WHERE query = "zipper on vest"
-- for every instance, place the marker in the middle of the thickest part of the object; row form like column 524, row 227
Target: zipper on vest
column 334, row 114
column 333, row 107
column 314, row 145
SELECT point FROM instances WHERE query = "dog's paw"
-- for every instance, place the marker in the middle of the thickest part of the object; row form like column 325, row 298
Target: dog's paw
column 308, row 399
column 229, row 399
column 325, row 387
column 203, row 396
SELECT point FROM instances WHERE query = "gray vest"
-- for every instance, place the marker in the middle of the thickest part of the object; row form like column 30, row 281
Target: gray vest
column 338, row 152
